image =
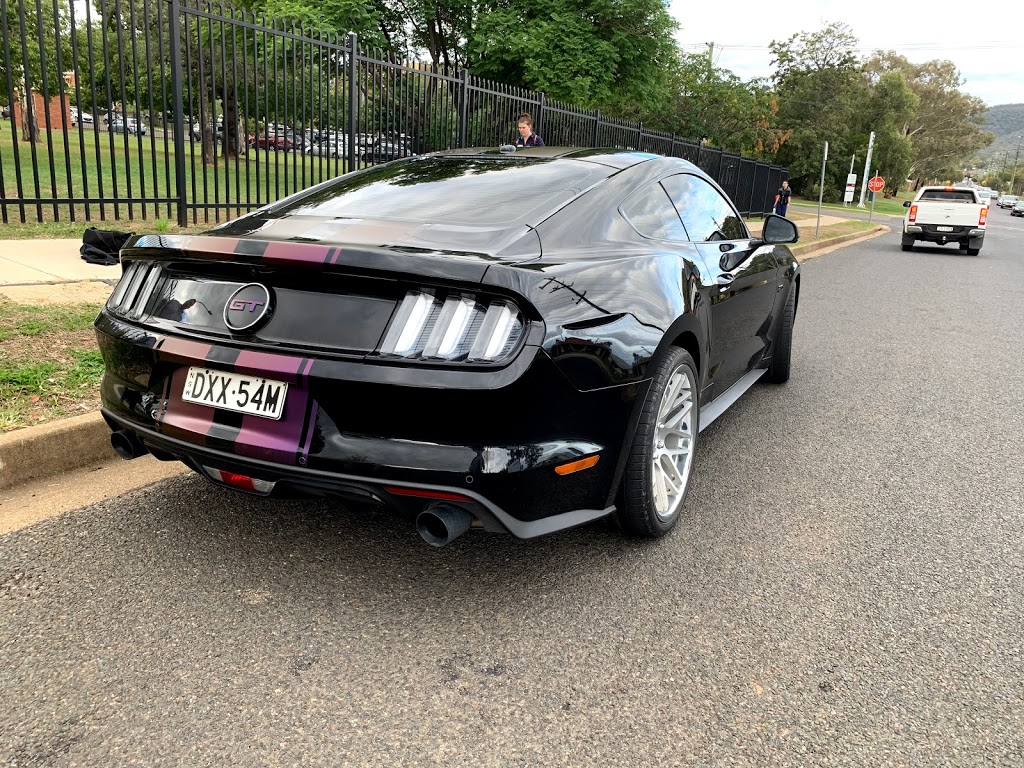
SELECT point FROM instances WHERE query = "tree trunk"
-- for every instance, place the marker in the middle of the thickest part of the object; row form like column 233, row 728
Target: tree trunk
column 234, row 136
column 29, row 119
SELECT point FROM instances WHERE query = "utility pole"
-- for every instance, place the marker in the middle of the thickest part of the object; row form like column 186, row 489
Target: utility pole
column 821, row 188
column 1016, row 155
column 711, row 57
column 867, row 166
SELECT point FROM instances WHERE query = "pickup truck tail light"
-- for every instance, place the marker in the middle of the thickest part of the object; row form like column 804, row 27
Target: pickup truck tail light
column 913, row 214
column 983, row 217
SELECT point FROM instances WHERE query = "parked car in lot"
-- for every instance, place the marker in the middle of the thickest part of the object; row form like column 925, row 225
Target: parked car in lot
column 384, row 150
column 273, row 140
column 404, row 336
column 1008, row 201
column 1018, row 208
column 329, row 147
column 118, row 124
column 80, row 118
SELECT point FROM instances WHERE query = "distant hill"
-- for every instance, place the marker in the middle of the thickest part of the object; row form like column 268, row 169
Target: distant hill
column 1006, row 121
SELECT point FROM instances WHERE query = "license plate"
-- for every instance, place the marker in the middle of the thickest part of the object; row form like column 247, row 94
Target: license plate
column 944, row 229
column 234, row 392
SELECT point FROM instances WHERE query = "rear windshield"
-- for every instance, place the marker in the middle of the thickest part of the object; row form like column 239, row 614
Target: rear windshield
column 949, row 195
column 451, row 190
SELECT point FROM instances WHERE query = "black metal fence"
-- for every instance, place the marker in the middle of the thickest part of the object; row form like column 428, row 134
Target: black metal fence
column 195, row 113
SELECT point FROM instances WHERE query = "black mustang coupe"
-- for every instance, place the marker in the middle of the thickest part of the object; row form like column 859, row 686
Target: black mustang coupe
column 518, row 342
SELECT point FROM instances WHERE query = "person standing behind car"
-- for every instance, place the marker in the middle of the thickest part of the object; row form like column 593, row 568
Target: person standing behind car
column 782, row 198
column 527, row 138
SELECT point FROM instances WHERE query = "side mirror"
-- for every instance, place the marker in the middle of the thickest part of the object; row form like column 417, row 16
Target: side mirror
column 906, row 203
column 778, row 229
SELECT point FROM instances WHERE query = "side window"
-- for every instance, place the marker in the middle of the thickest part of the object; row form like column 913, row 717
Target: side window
column 652, row 214
column 706, row 214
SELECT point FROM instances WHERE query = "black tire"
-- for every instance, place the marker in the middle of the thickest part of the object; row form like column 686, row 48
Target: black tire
column 907, row 243
column 782, row 351
column 638, row 513
column 973, row 251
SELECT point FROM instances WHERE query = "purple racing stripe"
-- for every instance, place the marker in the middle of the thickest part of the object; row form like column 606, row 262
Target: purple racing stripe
column 279, row 441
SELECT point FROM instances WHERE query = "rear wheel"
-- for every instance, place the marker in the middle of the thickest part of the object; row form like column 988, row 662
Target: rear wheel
column 661, row 457
column 907, row 243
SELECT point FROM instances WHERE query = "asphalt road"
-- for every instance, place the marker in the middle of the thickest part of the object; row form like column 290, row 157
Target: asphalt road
column 845, row 588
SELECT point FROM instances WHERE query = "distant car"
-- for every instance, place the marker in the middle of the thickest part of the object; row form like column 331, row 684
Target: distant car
column 83, row 118
column 1018, row 208
column 384, row 151
column 327, row 148
column 279, row 142
column 119, row 124
column 406, row 336
column 218, row 131
column 1008, row 201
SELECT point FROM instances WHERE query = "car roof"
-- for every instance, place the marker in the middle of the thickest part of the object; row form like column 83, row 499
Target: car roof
column 618, row 159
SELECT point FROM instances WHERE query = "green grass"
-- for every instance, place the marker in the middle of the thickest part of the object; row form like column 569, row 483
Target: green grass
column 50, row 366
column 130, row 166
column 884, row 206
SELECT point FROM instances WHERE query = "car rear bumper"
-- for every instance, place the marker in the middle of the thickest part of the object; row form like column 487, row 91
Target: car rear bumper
column 930, row 233
column 496, row 449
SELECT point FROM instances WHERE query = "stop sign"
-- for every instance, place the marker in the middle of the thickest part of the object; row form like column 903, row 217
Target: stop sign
column 876, row 183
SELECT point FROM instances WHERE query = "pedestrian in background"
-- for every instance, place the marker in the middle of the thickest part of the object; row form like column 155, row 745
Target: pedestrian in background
column 527, row 138
column 782, row 198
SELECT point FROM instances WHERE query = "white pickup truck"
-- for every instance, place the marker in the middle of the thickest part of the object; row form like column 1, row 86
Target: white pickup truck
column 946, row 215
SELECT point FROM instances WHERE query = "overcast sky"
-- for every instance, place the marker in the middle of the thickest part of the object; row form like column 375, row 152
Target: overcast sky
column 988, row 52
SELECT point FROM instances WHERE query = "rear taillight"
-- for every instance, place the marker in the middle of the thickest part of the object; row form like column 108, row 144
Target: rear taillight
column 460, row 327
column 133, row 292
column 983, row 217
column 913, row 214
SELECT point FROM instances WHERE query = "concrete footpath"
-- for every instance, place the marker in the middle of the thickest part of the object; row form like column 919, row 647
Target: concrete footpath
column 36, row 463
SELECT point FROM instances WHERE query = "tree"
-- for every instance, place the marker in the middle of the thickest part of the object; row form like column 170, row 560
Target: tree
column 714, row 104
column 34, row 66
column 945, row 129
column 892, row 106
column 617, row 56
column 821, row 92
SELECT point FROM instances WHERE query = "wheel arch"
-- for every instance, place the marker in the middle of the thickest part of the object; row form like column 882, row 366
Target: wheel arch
column 684, row 333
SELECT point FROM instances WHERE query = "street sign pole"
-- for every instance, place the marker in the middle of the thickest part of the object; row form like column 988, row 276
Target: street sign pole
column 873, row 194
column 867, row 164
column 821, row 189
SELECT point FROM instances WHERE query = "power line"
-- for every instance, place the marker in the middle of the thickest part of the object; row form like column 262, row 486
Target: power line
column 978, row 46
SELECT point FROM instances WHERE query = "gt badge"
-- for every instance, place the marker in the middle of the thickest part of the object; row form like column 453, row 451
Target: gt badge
column 247, row 308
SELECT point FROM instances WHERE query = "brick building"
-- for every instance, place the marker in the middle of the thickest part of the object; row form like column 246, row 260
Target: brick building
column 58, row 106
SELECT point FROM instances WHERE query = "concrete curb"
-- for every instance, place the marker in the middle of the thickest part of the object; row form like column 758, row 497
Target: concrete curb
column 808, row 250
column 51, row 449
column 32, row 453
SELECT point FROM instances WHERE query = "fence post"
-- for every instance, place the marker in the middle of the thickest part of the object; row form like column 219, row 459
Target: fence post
column 597, row 126
column 540, row 115
column 353, row 97
column 639, row 135
column 463, row 106
column 672, row 146
column 177, row 104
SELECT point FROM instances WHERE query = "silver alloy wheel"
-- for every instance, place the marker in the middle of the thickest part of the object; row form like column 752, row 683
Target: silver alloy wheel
column 673, row 445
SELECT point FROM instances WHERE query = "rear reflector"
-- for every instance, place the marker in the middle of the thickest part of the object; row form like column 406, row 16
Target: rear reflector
column 423, row 493
column 240, row 482
column 576, row 466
